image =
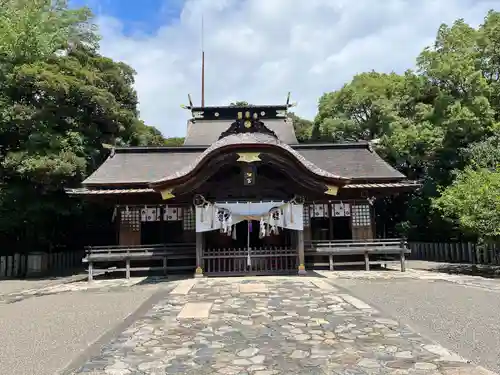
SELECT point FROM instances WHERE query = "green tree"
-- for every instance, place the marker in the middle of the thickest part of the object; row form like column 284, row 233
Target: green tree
column 303, row 128
column 174, row 141
column 60, row 101
column 361, row 110
column 485, row 154
column 473, row 200
column 425, row 123
column 34, row 29
column 145, row 135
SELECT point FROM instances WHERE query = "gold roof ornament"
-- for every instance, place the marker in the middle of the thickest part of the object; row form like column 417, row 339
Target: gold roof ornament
column 331, row 190
column 248, row 157
column 167, row 194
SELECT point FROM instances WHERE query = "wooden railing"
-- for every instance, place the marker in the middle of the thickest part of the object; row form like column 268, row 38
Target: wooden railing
column 137, row 253
column 263, row 260
column 380, row 249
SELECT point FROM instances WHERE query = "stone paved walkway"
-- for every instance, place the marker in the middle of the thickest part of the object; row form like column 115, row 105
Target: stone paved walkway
column 267, row 326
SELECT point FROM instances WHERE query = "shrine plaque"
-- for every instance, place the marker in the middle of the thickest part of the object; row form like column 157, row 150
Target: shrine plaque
column 249, row 175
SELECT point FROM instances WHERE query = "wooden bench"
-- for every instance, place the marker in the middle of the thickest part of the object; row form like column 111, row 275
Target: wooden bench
column 385, row 247
column 108, row 254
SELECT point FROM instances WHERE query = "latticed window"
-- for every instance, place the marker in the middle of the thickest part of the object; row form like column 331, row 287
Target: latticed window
column 307, row 221
column 361, row 215
column 131, row 218
column 189, row 222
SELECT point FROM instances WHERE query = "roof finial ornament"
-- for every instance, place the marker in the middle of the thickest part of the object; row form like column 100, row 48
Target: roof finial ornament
column 288, row 104
column 190, row 106
column 109, row 147
column 195, row 112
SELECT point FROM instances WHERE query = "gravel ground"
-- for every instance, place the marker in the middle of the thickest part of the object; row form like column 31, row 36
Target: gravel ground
column 463, row 319
column 42, row 335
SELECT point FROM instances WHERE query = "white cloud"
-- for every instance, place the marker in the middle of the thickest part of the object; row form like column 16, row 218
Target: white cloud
column 258, row 50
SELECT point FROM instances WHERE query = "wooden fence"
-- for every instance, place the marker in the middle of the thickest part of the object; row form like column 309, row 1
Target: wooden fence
column 39, row 264
column 470, row 253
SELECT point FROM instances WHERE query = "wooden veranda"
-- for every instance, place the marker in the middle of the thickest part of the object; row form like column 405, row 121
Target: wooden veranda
column 243, row 261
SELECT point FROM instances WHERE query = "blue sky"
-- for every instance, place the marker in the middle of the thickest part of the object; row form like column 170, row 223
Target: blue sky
column 258, row 50
column 144, row 16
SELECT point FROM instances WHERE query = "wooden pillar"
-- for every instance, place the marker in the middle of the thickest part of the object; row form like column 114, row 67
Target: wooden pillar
column 403, row 261
column 300, row 249
column 127, row 268
column 91, row 276
column 165, row 265
column 330, row 221
column 403, row 256
column 199, row 254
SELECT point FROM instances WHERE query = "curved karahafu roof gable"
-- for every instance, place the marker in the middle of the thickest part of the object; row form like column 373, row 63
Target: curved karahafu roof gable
column 330, row 166
column 138, row 166
column 249, row 132
column 223, row 135
column 259, row 141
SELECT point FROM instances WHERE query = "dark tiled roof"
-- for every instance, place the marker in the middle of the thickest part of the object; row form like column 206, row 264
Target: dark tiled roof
column 142, row 165
column 358, row 162
column 129, row 167
column 206, row 132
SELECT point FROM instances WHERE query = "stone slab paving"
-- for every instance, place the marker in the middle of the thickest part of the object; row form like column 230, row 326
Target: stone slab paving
column 270, row 326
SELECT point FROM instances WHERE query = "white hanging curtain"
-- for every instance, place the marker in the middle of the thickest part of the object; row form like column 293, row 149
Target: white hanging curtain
column 220, row 216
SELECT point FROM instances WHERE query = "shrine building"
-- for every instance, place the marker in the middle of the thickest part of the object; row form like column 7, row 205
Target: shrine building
column 241, row 196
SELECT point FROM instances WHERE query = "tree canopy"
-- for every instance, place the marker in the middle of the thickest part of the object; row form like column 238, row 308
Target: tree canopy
column 473, row 199
column 428, row 123
column 62, row 104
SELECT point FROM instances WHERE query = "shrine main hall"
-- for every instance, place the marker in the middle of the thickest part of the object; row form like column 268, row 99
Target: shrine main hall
column 242, row 196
